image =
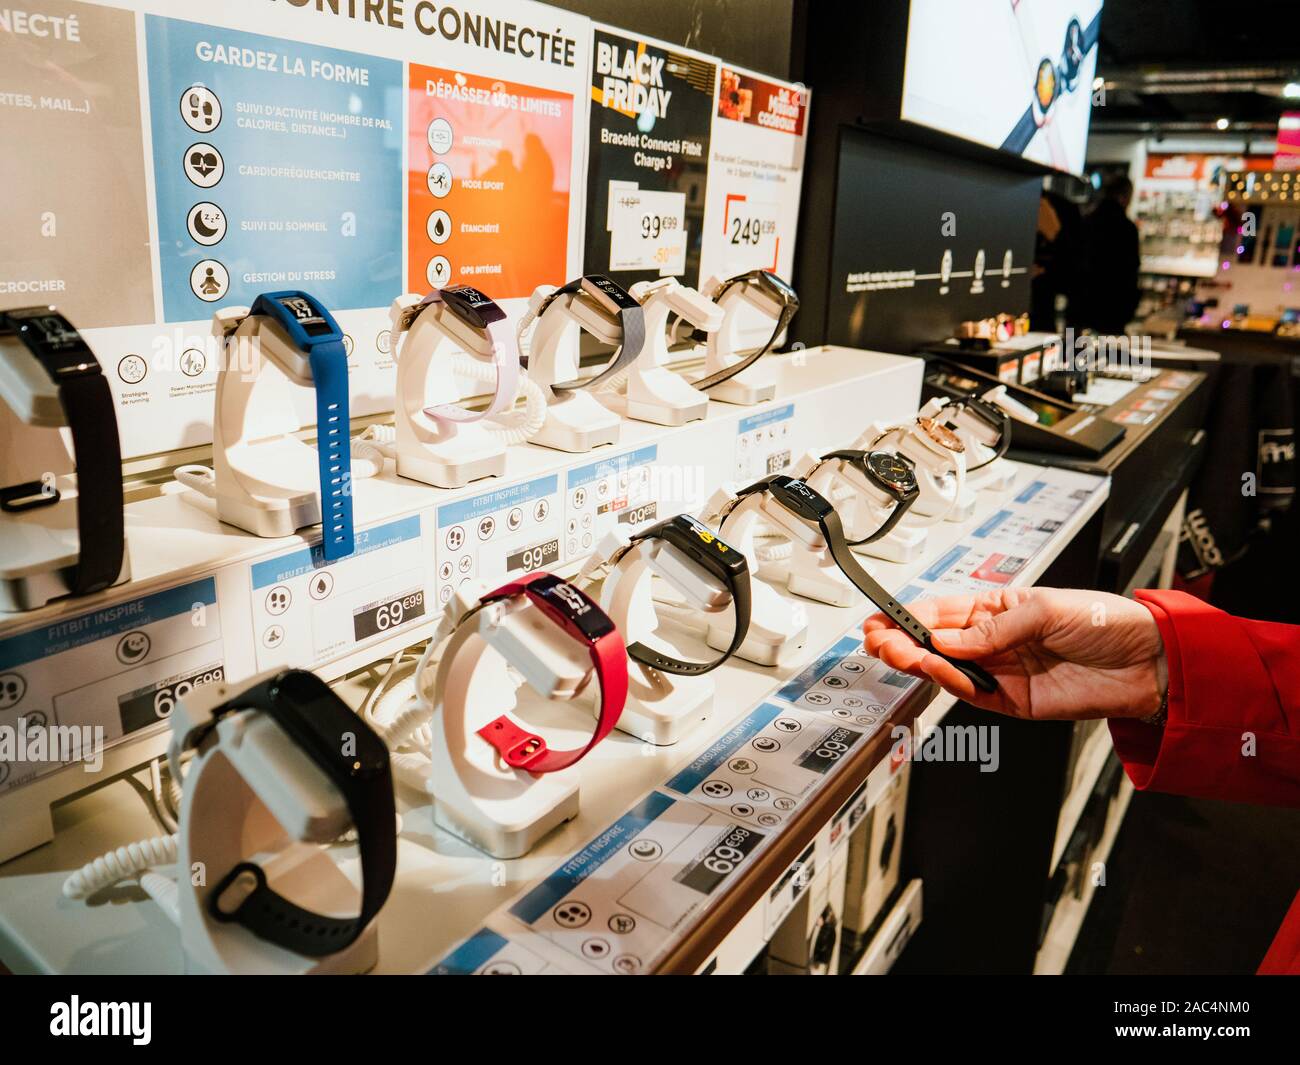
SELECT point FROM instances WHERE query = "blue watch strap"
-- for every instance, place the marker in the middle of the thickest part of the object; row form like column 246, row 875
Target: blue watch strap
column 329, row 371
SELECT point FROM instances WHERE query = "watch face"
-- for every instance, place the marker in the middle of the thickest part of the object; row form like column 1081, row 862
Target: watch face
column 941, row 435
column 698, row 540
column 608, row 293
column 783, row 290
column 472, row 306
column 1045, row 84
column 54, row 340
column 798, row 498
column 334, row 733
column 307, row 314
column 569, row 603
column 894, row 470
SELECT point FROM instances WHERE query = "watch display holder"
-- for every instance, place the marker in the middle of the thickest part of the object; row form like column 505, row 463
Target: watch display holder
column 252, row 794
column 757, row 383
column 660, row 706
column 940, row 472
column 655, row 393
column 813, row 573
column 39, row 544
column 575, row 421
column 985, row 469
column 862, row 506
column 476, row 796
column 439, row 451
column 263, row 479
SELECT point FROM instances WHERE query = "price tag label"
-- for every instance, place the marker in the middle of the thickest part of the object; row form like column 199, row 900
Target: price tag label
column 602, row 495
column 509, row 530
column 102, row 676
column 647, row 229
column 306, row 611
column 752, row 235
column 763, row 443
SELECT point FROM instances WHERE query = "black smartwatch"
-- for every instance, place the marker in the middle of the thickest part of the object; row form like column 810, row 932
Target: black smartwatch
column 803, row 502
column 96, row 450
column 614, row 298
column 702, row 546
column 893, row 474
column 318, row 721
column 994, row 417
column 772, row 286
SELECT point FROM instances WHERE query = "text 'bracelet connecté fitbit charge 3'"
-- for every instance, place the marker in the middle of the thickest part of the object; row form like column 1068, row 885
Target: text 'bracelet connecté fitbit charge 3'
column 802, row 501
column 581, row 618
column 355, row 760
column 96, row 450
column 770, row 285
column 702, row 546
column 893, row 474
column 478, row 311
column 312, row 329
column 616, row 300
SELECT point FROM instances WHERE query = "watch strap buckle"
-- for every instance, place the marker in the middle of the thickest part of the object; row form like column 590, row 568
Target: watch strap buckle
column 518, row 749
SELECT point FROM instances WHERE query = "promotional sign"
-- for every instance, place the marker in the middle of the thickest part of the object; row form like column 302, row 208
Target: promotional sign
column 647, row 165
column 1287, row 156
column 1010, row 74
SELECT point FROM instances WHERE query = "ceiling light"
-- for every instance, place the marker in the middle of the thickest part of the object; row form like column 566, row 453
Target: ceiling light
column 1222, row 123
column 1291, row 90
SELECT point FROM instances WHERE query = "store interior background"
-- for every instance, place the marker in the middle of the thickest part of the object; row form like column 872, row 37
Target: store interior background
column 1183, row 78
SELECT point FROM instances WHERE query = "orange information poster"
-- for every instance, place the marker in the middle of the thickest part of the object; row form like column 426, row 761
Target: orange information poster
column 488, row 183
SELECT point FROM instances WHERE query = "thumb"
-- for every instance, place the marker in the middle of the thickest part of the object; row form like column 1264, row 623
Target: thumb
column 1012, row 628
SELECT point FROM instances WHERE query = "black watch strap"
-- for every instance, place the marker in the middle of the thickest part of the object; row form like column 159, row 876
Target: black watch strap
column 901, row 503
column 787, row 313
column 986, row 412
column 88, row 406
column 741, row 605
column 268, row 914
column 833, row 531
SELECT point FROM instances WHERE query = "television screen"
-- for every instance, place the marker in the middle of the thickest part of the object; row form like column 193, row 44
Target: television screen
column 1010, row 74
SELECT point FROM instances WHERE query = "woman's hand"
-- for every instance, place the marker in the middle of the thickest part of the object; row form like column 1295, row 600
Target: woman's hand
column 1055, row 653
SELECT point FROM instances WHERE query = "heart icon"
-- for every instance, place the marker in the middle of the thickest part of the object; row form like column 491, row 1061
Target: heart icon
column 204, row 162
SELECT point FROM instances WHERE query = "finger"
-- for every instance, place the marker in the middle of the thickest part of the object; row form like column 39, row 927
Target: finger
column 896, row 649
column 878, row 622
column 955, row 682
column 995, row 634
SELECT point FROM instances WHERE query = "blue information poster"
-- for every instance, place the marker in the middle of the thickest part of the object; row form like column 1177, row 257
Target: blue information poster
column 277, row 165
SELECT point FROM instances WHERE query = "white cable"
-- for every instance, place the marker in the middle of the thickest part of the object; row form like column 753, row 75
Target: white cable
column 116, row 865
column 516, row 426
column 164, row 891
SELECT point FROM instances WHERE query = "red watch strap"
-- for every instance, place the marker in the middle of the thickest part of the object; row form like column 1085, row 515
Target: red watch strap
column 526, row 750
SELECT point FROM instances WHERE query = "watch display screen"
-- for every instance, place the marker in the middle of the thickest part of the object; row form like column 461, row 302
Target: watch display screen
column 571, row 604
column 783, row 290
column 699, row 541
column 306, row 314
column 53, row 338
column 893, row 470
column 472, row 306
column 796, row 496
column 608, row 293
column 324, row 723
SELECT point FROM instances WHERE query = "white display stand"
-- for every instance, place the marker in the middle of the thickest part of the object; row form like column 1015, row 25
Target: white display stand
column 862, row 507
column 984, row 471
column 438, row 451
column 660, row 706
column 251, row 794
column 575, row 420
column 36, row 546
column 757, row 384
column 940, row 473
column 654, row 392
column 263, row 479
column 499, row 809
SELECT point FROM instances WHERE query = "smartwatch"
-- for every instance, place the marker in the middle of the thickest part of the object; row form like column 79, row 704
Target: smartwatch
column 614, row 298
column 480, row 312
column 581, row 618
column 702, row 546
column 803, row 502
column 778, row 290
column 994, row 417
column 317, row 720
column 96, row 450
column 893, row 474
column 313, row 330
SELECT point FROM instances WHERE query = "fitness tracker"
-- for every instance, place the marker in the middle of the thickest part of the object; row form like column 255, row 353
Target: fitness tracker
column 313, row 330
column 772, row 286
column 995, row 418
column 803, row 502
column 615, row 299
column 96, row 450
column 702, row 546
column 893, row 474
column 581, row 618
column 356, row 762
column 480, row 312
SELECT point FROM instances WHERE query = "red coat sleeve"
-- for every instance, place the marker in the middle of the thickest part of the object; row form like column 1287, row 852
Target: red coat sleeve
column 1233, row 730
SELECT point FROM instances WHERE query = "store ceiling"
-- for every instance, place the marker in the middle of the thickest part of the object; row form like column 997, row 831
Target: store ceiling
column 1182, row 65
